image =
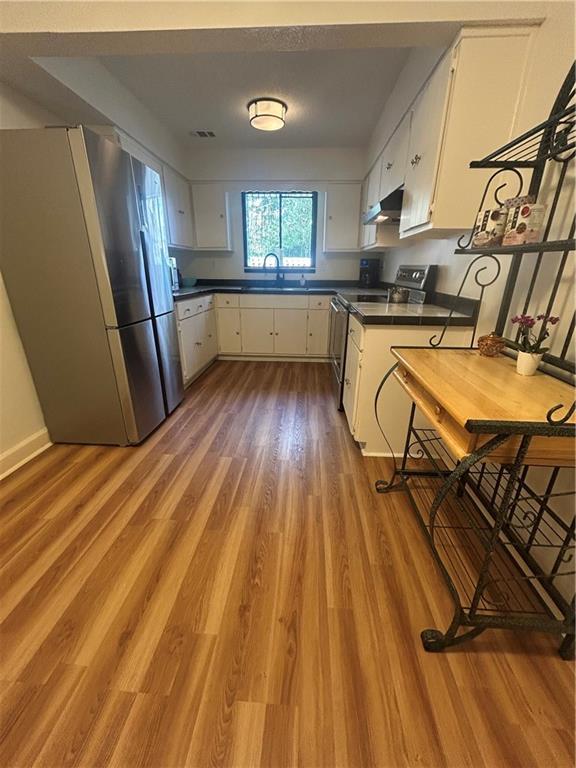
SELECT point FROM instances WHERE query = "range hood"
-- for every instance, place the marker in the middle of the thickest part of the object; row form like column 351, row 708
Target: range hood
column 387, row 211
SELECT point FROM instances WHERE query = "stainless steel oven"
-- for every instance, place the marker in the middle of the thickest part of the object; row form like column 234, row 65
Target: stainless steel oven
column 338, row 337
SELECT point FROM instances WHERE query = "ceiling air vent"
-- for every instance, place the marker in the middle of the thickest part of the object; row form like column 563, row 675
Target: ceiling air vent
column 203, row 134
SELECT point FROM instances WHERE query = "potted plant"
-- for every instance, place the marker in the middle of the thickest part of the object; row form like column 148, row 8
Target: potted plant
column 529, row 344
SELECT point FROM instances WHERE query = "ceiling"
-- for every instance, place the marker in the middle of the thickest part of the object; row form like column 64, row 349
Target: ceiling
column 334, row 97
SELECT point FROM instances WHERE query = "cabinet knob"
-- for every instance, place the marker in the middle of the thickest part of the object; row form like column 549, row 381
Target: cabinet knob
column 347, row 382
column 389, row 165
column 181, row 212
column 309, row 334
column 271, row 334
column 221, row 215
column 276, row 334
column 415, row 160
column 437, row 410
column 237, row 333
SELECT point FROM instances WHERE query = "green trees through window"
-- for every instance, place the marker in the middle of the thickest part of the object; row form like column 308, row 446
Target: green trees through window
column 283, row 223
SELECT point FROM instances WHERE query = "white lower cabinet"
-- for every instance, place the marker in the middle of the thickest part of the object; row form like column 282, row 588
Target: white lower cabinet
column 198, row 347
column 318, row 332
column 229, row 333
column 210, row 346
column 290, row 331
column 253, row 324
column 257, row 331
column 364, row 370
column 352, row 382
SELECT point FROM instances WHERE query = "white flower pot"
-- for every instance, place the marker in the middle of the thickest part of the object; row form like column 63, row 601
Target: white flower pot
column 527, row 363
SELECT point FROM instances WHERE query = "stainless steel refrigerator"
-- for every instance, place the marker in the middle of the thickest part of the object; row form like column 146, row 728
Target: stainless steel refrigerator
column 85, row 261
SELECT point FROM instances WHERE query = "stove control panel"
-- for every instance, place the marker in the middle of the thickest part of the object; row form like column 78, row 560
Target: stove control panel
column 417, row 277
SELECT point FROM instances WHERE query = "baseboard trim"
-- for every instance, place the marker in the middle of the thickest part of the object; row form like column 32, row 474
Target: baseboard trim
column 275, row 358
column 23, row 452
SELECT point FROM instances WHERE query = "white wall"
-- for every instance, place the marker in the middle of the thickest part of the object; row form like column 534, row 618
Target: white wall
column 266, row 170
column 205, row 164
column 22, row 429
column 90, row 80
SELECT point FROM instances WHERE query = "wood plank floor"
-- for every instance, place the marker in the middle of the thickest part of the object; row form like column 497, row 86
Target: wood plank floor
column 234, row 593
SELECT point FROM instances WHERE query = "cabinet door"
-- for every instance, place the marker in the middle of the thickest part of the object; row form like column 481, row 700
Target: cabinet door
column 341, row 217
column 394, row 159
column 371, row 192
column 229, row 338
column 290, row 331
column 351, row 384
column 211, row 336
column 257, row 331
column 210, row 203
column 426, row 125
column 179, row 209
column 191, row 333
column 318, row 324
column 367, row 232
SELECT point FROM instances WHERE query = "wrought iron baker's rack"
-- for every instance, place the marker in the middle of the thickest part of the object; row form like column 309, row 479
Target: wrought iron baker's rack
column 503, row 544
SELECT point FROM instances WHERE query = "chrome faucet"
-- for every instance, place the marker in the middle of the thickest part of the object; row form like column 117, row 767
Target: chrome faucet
column 279, row 278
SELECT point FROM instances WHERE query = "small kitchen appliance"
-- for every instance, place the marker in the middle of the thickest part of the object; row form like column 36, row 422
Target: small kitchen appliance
column 174, row 273
column 369, row 273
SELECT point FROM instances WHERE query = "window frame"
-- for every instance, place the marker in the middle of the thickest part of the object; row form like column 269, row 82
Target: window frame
column 313, row 234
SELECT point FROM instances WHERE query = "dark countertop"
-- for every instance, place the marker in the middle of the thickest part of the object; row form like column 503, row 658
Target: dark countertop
column 204, row 290
column 407, row 314
column 367, row 313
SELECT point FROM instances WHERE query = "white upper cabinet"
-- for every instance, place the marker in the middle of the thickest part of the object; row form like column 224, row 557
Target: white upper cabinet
column 211, row 217
column 370, row 196
column 423, row 146
column 179, row 209
column 341, row 217
column 393, row 164
column 467, row 108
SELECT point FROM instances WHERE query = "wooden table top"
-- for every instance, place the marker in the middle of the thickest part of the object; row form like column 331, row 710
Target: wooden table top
column 475, row 388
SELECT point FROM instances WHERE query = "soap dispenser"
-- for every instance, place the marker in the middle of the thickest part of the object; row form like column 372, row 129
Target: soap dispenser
column 302, row 281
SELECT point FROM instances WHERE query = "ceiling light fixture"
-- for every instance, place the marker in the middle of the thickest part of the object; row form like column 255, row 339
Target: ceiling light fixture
column 267, row 114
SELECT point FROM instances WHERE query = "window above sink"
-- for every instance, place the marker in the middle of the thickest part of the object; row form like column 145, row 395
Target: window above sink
column 280, row 223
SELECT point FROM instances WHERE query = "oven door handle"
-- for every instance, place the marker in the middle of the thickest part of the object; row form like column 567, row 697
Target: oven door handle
column 336, row 306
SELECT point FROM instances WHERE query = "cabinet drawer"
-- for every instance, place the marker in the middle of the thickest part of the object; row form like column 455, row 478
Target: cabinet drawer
column 192, row 307
column 458, row 440
column 227, row 300
column 319, row 302
column 356, row 332
column 273, row 301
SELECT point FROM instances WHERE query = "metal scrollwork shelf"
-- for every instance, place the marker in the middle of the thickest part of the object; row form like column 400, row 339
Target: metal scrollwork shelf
column 496, row 526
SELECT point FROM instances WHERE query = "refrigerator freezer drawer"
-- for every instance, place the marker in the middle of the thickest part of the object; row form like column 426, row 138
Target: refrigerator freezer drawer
column 169, row 355
column 138, row 376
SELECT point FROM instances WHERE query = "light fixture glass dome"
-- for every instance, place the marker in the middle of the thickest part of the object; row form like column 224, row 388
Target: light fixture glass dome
column 267, row 114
